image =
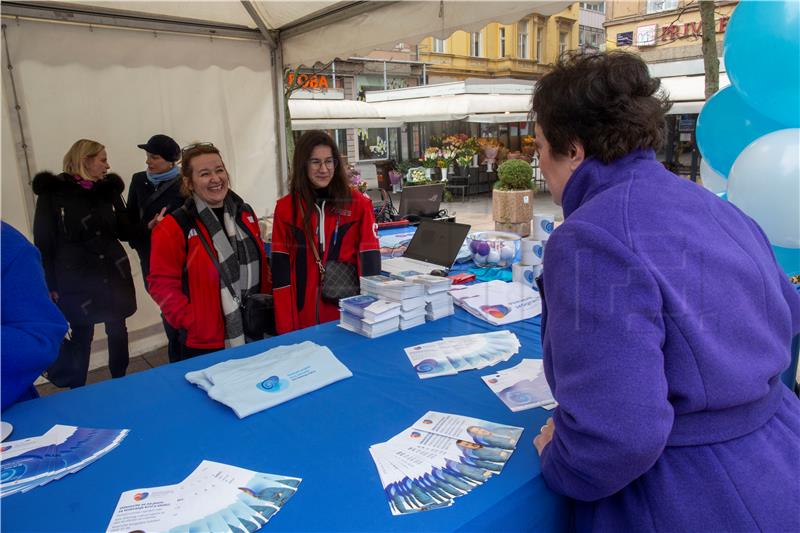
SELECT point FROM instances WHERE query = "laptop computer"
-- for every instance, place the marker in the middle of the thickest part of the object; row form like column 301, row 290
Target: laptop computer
column 421, row 200
column 434, row 246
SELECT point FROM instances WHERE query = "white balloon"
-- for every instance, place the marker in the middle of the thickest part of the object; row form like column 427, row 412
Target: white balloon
column 712, row 180
column 764, row 182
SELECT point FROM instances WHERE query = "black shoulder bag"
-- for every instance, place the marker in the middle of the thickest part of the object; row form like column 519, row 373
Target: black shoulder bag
column 338, row 279
column 258, row 310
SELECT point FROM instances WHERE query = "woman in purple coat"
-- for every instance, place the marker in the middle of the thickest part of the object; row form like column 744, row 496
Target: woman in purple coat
column 667, row 324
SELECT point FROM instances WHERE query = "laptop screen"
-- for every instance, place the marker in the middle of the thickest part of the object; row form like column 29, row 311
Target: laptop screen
column 421, row 200
column 437, row 242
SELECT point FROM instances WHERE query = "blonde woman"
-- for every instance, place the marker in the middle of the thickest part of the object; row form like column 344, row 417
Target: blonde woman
column 79, row 222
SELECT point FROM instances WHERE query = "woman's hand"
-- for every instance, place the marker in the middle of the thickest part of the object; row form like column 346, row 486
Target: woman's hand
column 545, row 435
column 54, row 296
column 156, row 219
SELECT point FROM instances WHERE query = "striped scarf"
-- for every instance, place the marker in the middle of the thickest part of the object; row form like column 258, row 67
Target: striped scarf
column 238, row 258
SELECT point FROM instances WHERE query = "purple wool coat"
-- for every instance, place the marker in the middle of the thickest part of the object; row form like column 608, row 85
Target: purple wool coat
column 667, row 324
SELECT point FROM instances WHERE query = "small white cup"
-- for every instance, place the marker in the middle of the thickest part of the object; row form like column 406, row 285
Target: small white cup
column 532, row 252
column 542, row 227
column 526, row 274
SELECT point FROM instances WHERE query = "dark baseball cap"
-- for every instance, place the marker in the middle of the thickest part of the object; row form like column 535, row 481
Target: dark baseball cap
column 162, row 145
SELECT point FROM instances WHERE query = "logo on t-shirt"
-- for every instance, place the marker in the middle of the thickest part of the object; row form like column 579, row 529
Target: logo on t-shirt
column 273, row 384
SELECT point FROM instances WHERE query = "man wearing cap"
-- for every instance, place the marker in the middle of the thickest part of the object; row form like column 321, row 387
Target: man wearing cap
column 152, row 195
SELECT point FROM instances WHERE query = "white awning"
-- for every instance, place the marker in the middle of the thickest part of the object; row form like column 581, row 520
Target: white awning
column 498, row 118
column 336, row 114
column 689, row 88
column 453, row 107
column 343, row 123
column 686, row 108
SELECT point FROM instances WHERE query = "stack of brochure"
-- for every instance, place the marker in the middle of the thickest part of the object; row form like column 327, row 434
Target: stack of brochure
column 522, row 387
column 63, row 450
column 451, row 355
column 440, row 458
column 369, row 315
column 499, row 302
column 215, row 497
column 285, row 372
column 409, row 294
column 438, row 305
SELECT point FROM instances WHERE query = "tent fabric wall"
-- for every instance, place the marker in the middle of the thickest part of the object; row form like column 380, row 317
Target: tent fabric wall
column 120, row 87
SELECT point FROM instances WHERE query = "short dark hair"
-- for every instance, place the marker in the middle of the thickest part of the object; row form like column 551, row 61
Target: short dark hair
column 607, row 101
column 299, row 182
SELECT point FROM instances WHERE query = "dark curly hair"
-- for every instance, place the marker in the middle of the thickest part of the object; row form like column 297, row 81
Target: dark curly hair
column 608, row 102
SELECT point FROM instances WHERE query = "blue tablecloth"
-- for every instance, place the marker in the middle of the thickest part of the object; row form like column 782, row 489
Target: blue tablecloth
column 322, row 437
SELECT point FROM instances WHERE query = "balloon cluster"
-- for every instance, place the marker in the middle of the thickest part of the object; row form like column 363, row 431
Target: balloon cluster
column 749, row 132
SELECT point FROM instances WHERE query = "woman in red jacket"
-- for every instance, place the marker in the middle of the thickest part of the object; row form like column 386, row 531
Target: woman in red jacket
column 324, row 211
column 184, row 280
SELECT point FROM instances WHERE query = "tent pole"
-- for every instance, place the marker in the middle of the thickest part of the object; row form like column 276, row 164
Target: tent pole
column 279, row 108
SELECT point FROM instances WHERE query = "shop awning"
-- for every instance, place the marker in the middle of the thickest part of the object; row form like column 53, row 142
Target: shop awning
column 687, row 93
column 453, row 107
column 336, row 114
column 498, row 118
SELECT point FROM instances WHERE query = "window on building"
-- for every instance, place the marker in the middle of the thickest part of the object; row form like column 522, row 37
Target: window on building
column 438, row 46
column 591, row 38
column 502, row 34
column 562, row 43
column 475, row 45
column 373, row 143
column 599, row 7
column 539, row 30
column 522, row 39
column 656, row 6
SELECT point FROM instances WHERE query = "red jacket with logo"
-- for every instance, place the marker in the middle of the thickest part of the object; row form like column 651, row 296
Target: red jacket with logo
column 179, row 262
column 346, row 233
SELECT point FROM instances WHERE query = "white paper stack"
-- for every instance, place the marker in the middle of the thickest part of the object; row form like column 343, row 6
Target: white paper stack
column 451, row 355
column 499, row 302
column 410, row 296
column 36, row 461
column 368, row 315
column 270, row 378
column 523, row 386
column 389, row 288
column 215, row 497
column 438, row 306
column 440, row 458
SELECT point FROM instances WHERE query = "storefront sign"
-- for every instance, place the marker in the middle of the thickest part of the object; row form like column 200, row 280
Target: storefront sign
column 307, row 81
column 689, row 29
column 625, row 38
column 646, row 35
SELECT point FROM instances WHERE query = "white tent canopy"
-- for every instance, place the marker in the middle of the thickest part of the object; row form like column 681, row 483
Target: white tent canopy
column 336, row 114
column 121, row 71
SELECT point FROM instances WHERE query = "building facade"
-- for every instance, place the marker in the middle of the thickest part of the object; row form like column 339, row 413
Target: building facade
column 591, row 32
column 522, row 50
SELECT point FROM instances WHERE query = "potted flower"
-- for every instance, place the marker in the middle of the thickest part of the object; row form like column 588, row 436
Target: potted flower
column 430, row 159
column 490, row 149
column 355, row 179
column 512, row 198
column 447, row 156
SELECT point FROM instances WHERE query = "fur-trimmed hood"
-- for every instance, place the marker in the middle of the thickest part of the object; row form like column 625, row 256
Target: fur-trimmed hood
column 49, row 183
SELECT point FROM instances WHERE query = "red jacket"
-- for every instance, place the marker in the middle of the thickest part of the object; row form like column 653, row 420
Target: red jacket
column 178, row 262
column 349, row 236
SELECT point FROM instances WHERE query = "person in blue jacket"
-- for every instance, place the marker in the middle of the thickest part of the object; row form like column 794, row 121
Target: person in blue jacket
column 32, row 325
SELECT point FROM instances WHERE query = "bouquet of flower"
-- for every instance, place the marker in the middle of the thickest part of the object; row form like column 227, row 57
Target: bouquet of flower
column 447, row 156
column 431, row 157
column 417, row 175
column 354, row 176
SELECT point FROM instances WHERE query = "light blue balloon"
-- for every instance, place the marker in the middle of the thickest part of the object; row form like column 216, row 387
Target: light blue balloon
column 762, row 55
column 726, row 125
column 788, row 259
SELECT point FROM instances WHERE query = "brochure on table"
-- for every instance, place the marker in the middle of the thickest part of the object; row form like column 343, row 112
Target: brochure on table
column 499, row 302
column 440, row 458
column 522, row 387
column 455, row 354
column 215, row 497
column 36, row 461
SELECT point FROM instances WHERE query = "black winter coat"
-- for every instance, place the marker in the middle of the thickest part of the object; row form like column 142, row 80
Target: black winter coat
column 141, row 211
column 77, row 232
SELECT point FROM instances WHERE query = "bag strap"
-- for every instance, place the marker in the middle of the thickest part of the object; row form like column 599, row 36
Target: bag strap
column 310, row 240
column 222, row 275
column 156, row 195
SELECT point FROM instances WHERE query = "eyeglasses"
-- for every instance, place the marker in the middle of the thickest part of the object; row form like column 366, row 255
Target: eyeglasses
column 316, row 164
column 195, row 145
